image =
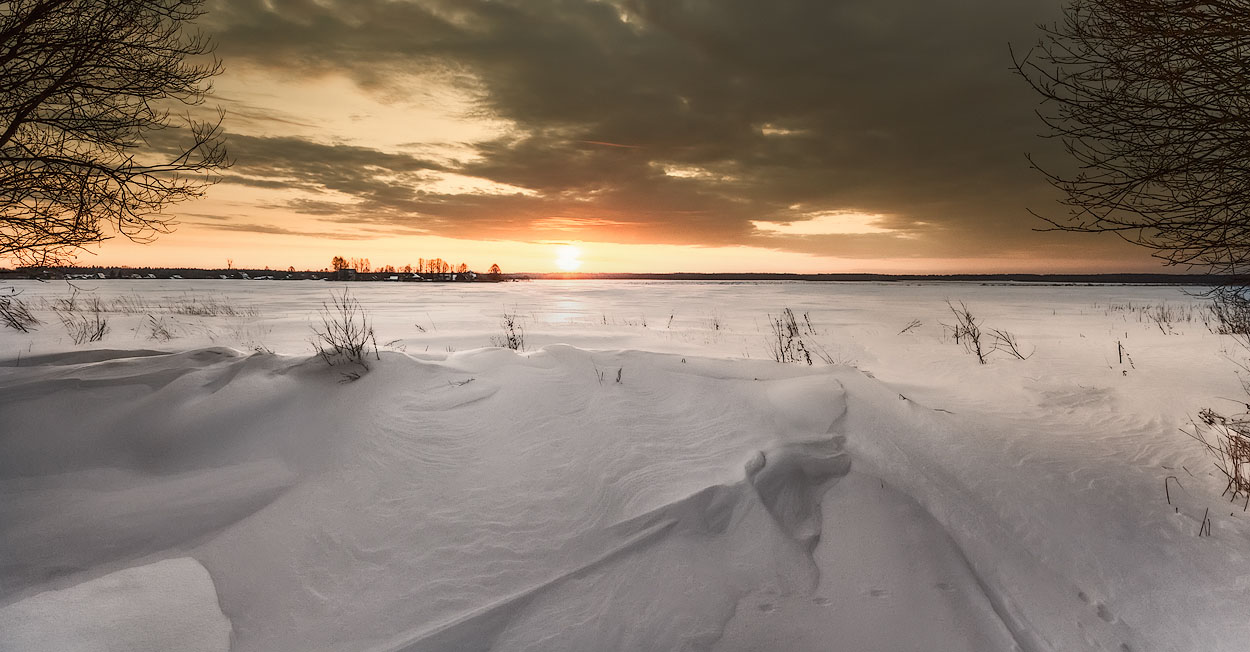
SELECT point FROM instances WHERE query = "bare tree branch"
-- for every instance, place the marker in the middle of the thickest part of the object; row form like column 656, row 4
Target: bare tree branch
column 1151, row 101
column 85, row 85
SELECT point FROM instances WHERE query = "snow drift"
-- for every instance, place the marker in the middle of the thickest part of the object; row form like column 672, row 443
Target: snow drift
column 568, row 499
column 166, row 605
column 488, row 500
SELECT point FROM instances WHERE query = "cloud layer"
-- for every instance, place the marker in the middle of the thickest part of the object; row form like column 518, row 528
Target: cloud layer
column 665, row 121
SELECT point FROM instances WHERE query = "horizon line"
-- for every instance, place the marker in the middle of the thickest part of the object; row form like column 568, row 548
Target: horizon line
column 723, row 275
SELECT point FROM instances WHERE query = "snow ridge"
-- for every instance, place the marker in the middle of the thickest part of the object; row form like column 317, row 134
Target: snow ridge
column 788, row 489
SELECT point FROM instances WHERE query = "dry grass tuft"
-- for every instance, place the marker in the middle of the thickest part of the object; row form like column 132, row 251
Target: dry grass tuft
column 15, row 314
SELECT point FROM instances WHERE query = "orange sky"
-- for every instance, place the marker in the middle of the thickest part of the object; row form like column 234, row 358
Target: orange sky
column 798, row 137
column 191, row 247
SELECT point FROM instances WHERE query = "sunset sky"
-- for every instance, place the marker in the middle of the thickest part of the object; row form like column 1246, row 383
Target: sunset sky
column 651, row 135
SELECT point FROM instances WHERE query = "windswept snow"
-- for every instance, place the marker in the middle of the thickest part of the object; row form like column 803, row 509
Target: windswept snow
column 165, row 605
column 655, row 485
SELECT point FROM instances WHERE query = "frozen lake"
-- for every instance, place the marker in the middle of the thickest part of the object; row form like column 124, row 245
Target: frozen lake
column 1069, row 330
column 723, row 318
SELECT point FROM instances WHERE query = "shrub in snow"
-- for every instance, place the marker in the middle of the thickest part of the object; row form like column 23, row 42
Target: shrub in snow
column 1230, row 444
column 1231, row 309
column 345, row 335
column 967, row 331
column 791, row 342
column 513, row 335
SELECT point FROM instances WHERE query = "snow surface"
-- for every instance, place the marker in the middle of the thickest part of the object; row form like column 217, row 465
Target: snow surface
column 457, row 497
column 166, row 605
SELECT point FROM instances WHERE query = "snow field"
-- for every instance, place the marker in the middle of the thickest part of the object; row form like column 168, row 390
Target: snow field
column 711, row 499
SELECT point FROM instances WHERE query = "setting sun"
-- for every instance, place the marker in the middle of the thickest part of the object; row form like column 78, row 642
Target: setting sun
column 568, row 258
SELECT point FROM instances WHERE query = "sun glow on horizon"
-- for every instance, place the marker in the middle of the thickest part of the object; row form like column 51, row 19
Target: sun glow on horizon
column 200, row 245
column 568, row 258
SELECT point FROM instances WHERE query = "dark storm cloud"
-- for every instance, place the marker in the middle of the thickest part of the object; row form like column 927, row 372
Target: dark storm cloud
column 770, row 110
column 376, row 180
column 244, row 227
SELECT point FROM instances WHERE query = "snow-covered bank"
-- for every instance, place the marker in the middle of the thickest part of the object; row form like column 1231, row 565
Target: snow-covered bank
column 166, row 605
column 485, row 499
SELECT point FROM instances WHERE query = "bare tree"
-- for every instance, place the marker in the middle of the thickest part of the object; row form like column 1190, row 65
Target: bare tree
column 1151, row 100
column 88, row 139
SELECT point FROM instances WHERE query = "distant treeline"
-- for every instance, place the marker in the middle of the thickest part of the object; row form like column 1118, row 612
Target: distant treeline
column 438, row 269
column 340, row 268
column 423, row 266
column 1138, row 279
column 440, row 272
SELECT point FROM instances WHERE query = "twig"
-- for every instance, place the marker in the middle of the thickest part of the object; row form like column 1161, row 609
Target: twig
column 1165, row 487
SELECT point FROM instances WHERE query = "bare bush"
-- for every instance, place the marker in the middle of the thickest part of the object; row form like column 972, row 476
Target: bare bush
column 82, row 328
column 346, row 334
column 513, row 334
column 1230, row 444
column 16, row 314
column 967, row 331
column 791, row 342
column 1164, row 315
column 1006, row 342
column 1230, row 308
